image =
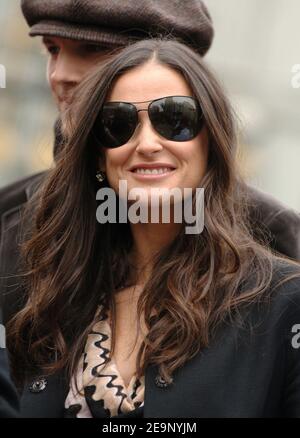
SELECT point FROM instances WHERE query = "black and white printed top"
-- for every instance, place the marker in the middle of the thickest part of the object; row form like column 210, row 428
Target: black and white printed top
column 100, row 384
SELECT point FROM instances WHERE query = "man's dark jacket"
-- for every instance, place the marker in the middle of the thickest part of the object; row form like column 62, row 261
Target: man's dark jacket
column 9, row 399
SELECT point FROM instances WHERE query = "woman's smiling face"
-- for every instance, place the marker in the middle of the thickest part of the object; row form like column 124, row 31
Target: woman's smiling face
column 146, row 83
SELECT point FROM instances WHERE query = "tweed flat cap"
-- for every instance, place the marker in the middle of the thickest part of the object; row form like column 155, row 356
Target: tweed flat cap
column 116, row 23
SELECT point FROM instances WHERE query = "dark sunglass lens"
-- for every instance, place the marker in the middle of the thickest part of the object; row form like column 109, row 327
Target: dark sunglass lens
column 116, row 124
column 176, row 118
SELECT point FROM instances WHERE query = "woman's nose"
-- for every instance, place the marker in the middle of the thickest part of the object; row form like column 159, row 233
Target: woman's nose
column 147, row 139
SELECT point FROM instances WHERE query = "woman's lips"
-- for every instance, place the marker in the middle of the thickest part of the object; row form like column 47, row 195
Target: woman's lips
column 142, row 176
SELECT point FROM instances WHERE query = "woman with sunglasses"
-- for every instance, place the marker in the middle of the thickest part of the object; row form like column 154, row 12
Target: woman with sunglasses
column 142, row 319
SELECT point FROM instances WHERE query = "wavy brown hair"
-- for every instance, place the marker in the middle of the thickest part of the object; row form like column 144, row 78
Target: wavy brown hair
column 72, row 263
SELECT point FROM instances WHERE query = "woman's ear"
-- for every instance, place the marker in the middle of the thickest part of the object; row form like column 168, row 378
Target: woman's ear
column 101, row 164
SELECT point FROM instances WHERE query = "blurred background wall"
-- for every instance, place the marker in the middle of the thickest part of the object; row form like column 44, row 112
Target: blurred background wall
column 255, row 47
column 27, row 113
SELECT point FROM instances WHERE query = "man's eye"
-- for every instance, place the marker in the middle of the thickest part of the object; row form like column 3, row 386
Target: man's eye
column 53, row 50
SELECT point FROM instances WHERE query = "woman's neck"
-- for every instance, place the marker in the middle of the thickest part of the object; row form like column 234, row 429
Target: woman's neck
column 148, row 240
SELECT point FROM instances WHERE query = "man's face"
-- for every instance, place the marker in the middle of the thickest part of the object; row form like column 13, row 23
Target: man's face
column 68, row 62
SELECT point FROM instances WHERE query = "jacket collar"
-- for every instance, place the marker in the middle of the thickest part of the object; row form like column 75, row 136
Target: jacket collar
column 33, row 185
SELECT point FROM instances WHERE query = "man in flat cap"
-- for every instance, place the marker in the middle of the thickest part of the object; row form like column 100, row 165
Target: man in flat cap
column 79, row 33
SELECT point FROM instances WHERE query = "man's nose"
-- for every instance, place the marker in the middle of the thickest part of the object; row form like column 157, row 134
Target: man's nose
column 66, row 70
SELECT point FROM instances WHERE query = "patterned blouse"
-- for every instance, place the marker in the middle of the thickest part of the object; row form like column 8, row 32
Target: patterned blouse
column 99, row 381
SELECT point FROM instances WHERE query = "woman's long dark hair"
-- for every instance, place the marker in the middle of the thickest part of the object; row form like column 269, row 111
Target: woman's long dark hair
column 72, row 263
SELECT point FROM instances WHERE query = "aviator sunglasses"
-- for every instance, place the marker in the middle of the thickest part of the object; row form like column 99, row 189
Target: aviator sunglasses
column 176, row 118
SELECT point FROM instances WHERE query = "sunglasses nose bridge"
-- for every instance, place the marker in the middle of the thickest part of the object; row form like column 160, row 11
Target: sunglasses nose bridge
column 142, row 110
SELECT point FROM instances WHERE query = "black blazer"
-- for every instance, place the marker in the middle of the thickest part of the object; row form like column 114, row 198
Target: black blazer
column 244, row 373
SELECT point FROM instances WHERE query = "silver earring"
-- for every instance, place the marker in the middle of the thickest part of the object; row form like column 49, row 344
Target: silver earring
column 100, row 175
